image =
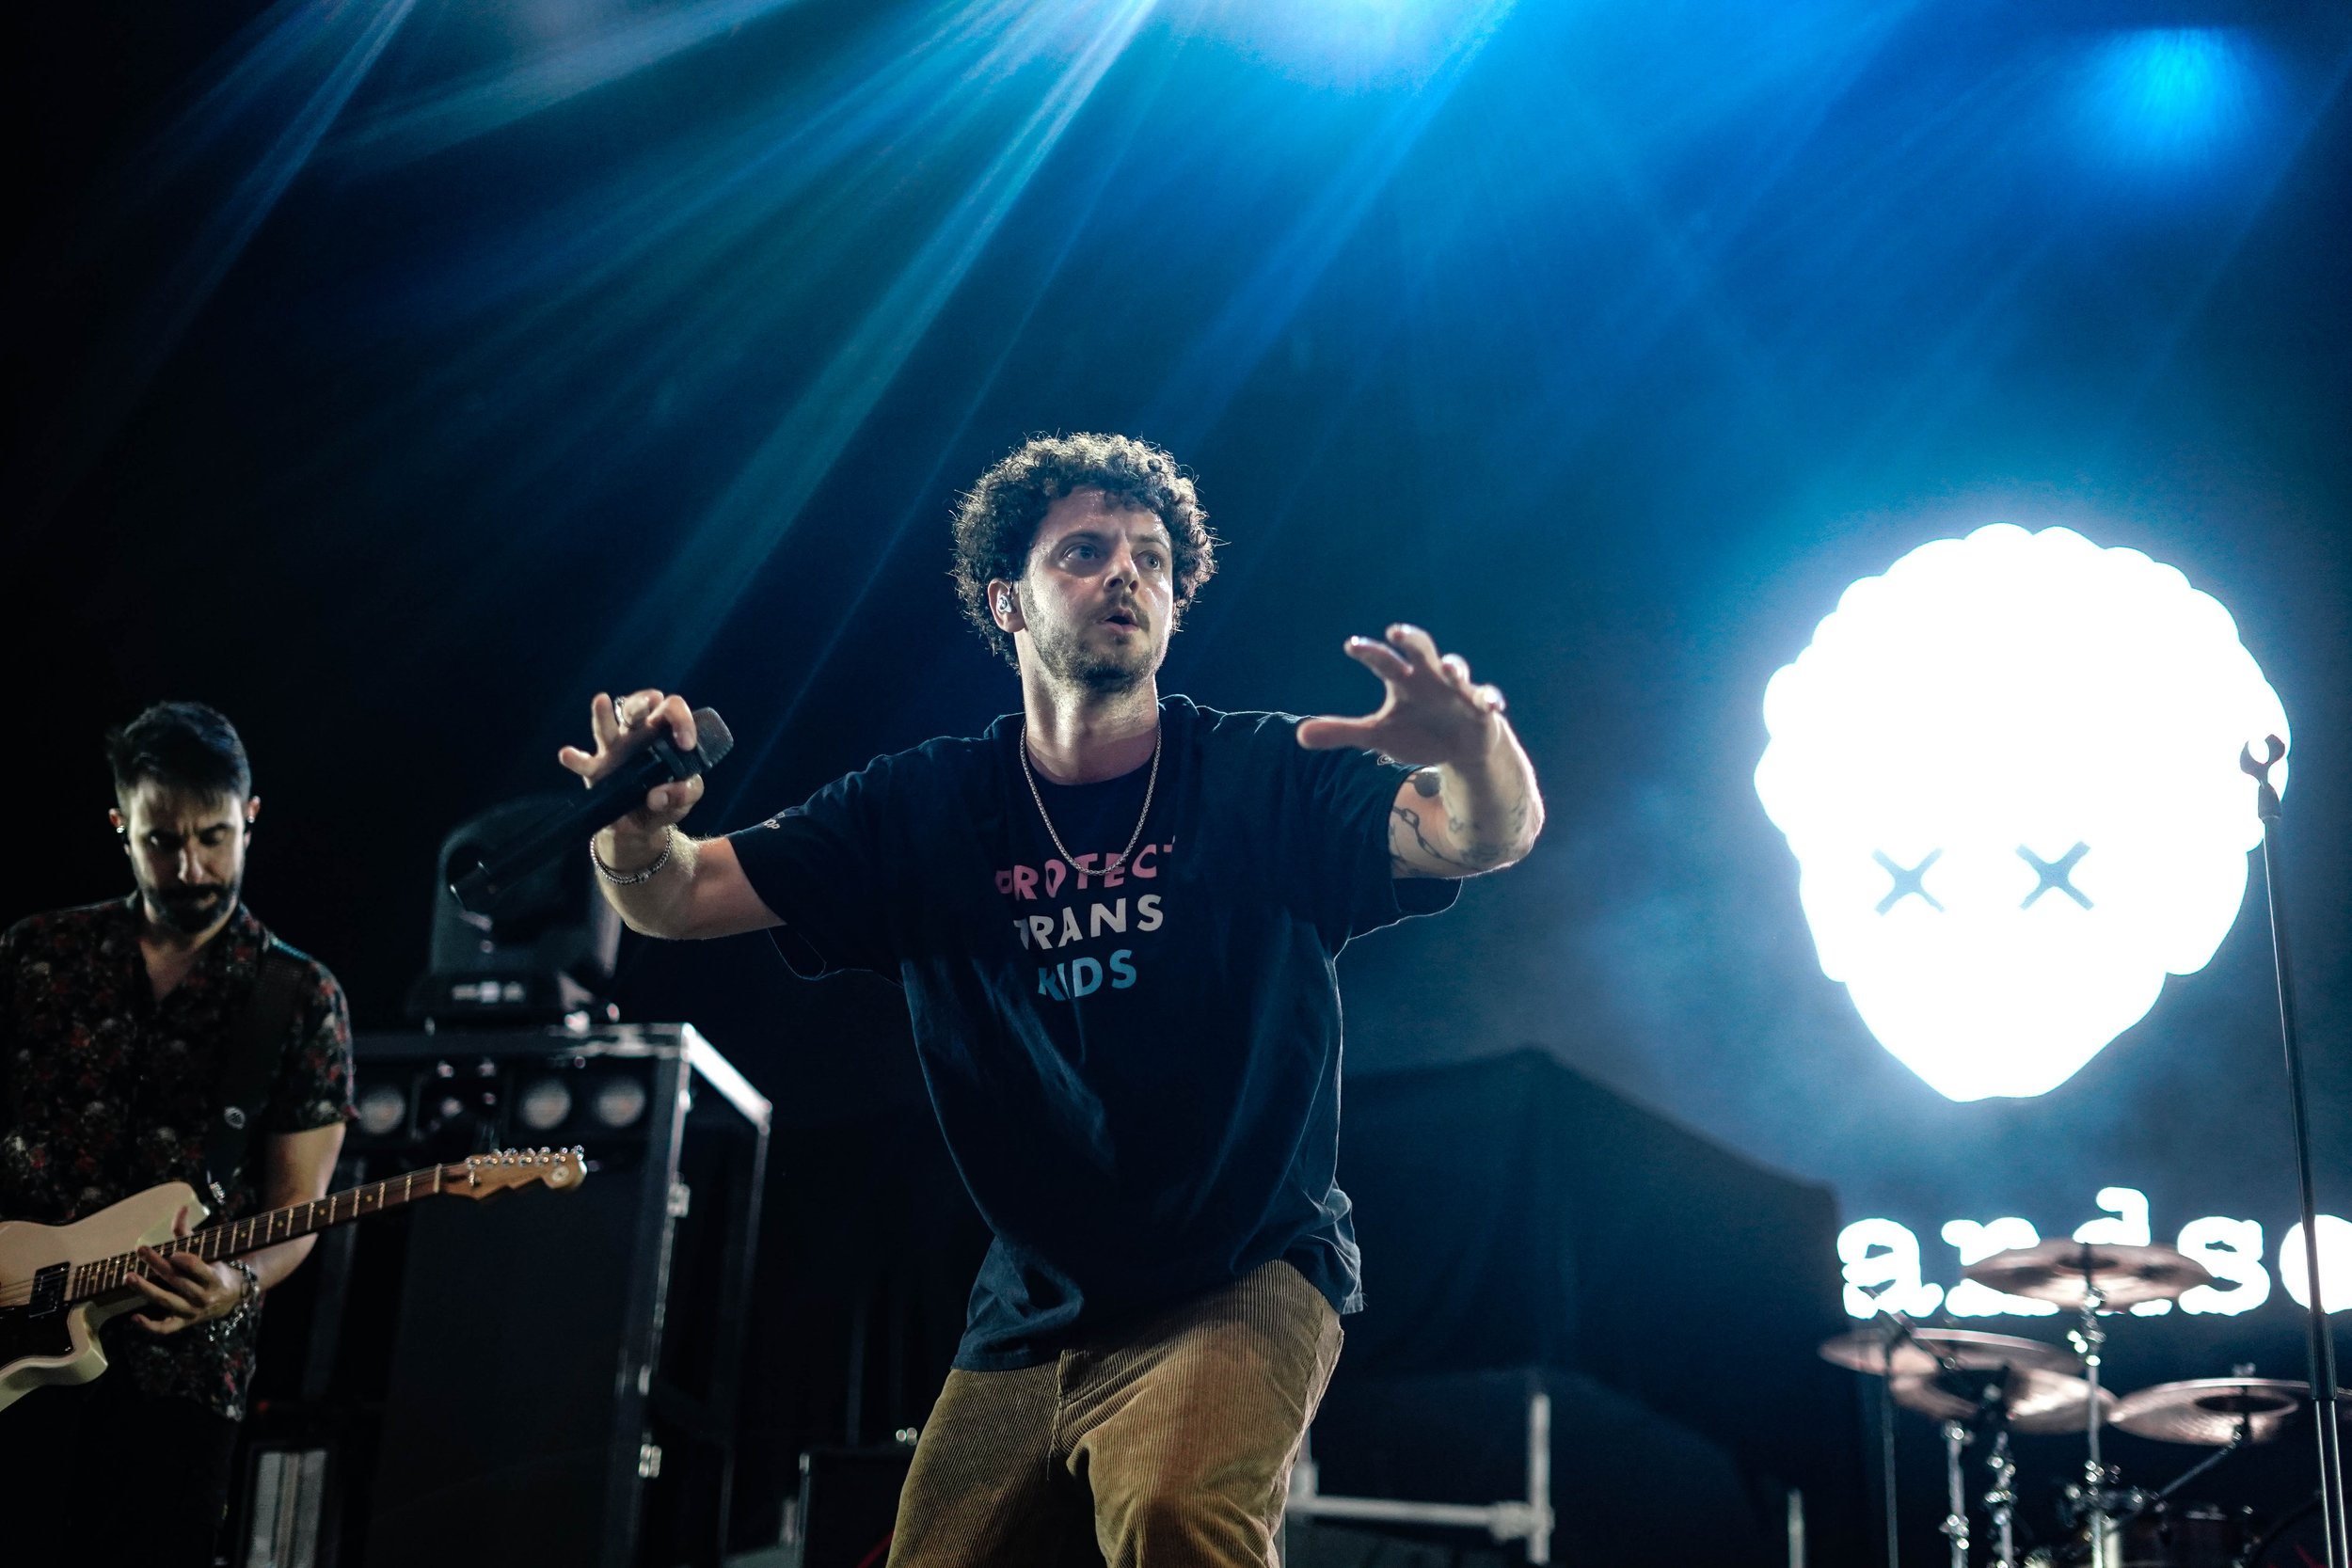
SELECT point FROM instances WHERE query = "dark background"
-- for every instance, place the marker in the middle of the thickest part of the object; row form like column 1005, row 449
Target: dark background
column 395, row 376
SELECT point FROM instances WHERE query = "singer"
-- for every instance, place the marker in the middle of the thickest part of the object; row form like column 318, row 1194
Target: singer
column 1114, row 915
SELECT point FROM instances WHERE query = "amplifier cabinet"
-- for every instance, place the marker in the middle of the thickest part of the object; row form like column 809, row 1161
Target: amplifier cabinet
column 559, row 1376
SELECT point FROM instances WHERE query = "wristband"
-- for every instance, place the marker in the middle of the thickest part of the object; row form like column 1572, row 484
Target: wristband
column 669, row 842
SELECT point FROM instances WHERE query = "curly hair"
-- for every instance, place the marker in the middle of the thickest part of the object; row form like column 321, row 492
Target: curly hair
column 997, row 521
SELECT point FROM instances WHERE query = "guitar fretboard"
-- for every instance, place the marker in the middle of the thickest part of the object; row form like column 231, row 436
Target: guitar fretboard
column 256, row 1231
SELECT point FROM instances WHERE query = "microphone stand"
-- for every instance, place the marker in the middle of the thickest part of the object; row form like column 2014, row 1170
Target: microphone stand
column 2321, row 1346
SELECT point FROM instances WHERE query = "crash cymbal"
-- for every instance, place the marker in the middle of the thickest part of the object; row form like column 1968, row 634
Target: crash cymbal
column 1925, row 1352
column 2036, row 1401
column 2066, row 1272
column 2207, row 1410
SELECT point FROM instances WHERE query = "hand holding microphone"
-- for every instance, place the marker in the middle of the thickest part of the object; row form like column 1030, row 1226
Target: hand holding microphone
column 643, row 777
column 623, row 727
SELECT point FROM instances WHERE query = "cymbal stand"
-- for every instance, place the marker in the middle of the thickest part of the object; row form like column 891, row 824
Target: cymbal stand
column 2321, row 1345
column 2088, row 1338
column 2000, row 1497
column 2001, row 1500
column 1895, row 1331
column 2238, row 1440
column 1956, row 1519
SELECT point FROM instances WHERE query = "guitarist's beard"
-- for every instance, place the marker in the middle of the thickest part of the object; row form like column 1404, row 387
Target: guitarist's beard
column 190, row 909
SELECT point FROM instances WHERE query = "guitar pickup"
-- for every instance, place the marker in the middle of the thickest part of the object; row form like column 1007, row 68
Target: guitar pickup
column 49, row 1287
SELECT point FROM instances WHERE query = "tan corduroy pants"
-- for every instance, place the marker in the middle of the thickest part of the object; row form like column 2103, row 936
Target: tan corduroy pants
column 1165, row 1446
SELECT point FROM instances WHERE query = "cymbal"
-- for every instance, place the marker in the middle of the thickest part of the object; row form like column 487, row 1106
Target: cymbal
column 1865, row 1351
column 2036, row 1401
column 2066, row 1272
column 2207, row 1410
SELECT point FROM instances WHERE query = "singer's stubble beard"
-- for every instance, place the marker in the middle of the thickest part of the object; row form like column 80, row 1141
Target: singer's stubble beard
column 1066, row 654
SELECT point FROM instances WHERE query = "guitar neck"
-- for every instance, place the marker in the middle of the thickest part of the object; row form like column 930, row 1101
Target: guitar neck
column 475, row 1178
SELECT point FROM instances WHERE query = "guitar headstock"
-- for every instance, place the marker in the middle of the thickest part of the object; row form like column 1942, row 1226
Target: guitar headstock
column 482, row 1175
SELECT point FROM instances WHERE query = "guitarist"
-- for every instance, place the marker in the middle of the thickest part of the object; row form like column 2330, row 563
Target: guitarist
column 123, row 1027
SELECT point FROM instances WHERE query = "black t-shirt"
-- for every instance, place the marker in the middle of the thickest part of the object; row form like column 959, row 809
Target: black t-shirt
column 1136, row 1072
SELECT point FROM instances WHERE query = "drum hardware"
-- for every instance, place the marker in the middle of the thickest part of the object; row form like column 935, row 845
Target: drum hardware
column 2028, row 1401
column 1965, row 1378
column 2199, row 1536
column 2143, row 1505
column 1879, row 1350
column 1902, row 1350
column 2209, row 1412
column 2088, row 1338
column 2000, row 1499
column 2225, row 1414
column 1956, row 1491
column 2069, row 1273
column 2091, row 1277
column 2297, row 1539
column 1980, row 1385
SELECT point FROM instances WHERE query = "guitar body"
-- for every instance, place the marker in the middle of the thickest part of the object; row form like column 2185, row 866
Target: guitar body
column 50, row 1319
column 42, row 1338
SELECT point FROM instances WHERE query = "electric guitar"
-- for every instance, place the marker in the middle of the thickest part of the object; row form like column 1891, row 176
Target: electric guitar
column 58, row 1283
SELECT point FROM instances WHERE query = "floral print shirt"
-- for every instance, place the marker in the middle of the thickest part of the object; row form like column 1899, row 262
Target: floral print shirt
column 104, row 1092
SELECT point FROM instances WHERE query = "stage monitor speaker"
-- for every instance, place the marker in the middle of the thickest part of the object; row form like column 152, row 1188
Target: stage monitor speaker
column 562, row 1371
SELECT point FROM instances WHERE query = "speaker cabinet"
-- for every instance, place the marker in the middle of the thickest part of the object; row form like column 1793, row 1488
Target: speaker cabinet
column 560, row 1379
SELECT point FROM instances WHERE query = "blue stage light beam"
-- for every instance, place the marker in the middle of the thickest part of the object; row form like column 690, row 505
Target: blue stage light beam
column 1076, row 44
column 2173, row 97
column 265, row 102
column 420, row 125
column 1349, row 45
column 1262, row 308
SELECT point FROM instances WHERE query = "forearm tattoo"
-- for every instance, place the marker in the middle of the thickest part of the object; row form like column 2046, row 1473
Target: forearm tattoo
column 1463, row 850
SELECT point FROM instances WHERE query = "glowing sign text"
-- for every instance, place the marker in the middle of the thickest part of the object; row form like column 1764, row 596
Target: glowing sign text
column 1884, row 1267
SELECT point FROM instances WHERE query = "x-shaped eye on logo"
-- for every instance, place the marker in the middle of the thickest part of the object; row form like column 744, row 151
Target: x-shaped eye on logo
column 2054, row 874
column 1907, row 880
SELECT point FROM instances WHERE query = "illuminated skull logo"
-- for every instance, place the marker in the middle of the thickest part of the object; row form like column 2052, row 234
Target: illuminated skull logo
column 2008, row 771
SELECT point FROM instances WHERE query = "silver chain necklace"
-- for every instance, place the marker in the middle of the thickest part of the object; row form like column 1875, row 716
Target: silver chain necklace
column 1132, row 839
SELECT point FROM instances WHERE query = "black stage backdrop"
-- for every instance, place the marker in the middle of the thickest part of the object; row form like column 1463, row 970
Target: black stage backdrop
column 1513, row 1215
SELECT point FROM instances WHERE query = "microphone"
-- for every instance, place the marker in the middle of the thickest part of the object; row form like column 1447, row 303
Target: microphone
column 609, row 800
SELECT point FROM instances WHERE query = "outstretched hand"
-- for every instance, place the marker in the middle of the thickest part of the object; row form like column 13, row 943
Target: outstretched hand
column 1433, row 712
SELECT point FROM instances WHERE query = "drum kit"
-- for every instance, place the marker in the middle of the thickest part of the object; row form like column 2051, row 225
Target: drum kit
column 1984, row 1386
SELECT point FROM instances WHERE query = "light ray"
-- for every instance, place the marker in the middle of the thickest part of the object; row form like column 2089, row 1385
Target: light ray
column 1223, row 359
column 715, row 566
column 311, row 56
column 491, row 101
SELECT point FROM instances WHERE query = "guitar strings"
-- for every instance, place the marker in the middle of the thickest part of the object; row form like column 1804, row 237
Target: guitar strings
column 15, row 1294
